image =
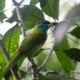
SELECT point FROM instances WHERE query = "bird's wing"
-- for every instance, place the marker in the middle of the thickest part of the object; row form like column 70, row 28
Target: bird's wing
column 28, row 44
column 33, row 40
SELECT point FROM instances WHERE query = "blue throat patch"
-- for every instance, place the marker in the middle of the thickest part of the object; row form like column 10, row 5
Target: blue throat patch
column 43, row 26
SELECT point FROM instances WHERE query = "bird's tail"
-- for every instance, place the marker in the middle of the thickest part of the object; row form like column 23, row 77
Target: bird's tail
column 13, row 62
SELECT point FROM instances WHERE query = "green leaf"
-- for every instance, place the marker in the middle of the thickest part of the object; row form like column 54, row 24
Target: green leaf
column 30, row 14
column 22, row 74
column 11, row 40
column 34, row 2
column 41, row 77
column 40, row 57
column 2, row 65
column 50, row 75
column 52, row 61
column 2, row 16
column 8, row 75
column 3, row 73
column 50, row 7
column 2, row 4
column 73, row 53
column 63, row 58
column 76, row 32
column 10, row 78
column 54, row 76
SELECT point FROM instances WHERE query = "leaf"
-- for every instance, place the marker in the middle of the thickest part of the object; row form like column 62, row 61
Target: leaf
column 34, row 2
column 22, row 74
column 65, row 61
column 1, row 36
column 2, row 65
column 52, row 61
column 76, row 32
column 10, row 78
column 73, row 53
column 50, row 7
column 30, row 14
column 2, row 4
column 7, row 75
column 2, row 16
column 11, row 39
column 55, row 76
column 50, row 75
column 3, row 73
column 41, row 77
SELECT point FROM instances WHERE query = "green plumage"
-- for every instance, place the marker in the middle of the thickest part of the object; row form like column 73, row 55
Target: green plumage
column 34, row 42
column 31, row 44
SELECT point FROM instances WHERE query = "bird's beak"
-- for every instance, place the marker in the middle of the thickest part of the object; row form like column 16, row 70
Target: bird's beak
column 51, row 24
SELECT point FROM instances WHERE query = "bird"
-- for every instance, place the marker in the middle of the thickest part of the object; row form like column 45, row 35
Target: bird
column 32, row 43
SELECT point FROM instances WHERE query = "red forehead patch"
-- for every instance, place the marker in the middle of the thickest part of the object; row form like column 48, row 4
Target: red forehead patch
column 39, row 21
column 46, row 22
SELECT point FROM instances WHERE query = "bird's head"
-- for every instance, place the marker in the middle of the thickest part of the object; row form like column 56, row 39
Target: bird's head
column 44, row 25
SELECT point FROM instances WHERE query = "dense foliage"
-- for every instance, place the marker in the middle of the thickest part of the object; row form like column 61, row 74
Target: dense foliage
column 66, row 54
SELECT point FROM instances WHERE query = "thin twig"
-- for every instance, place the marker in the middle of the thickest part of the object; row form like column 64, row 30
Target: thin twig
column 34, row 69
column 21, row 2
column 21, row 24
column 5, row 53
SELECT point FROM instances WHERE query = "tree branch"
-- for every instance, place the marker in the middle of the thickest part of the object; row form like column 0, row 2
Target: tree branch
column 5, row 53
column 34, row 69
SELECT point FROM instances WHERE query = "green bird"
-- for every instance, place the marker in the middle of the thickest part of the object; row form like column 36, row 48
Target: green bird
column 32, row 43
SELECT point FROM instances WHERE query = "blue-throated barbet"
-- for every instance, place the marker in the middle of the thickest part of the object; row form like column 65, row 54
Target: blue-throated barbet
column 32, row 43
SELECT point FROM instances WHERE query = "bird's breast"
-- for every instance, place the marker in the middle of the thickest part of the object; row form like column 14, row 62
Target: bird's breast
column 41, row 38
